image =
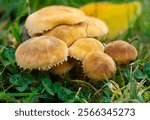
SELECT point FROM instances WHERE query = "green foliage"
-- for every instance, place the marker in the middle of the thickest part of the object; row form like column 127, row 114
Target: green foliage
column 130, row 84
column 16, row 32
column 145, row 74
column 21, row 81
column 47, row 83
column 8, row 59
column 147, row 68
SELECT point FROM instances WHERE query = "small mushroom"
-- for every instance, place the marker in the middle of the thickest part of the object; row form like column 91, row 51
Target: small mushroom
column 68, row 33
column 83, row 46
column 49, row 17
column 41, row 53
column 98, row 66
column 96, row 28
column 64, row 67
column 121, row 51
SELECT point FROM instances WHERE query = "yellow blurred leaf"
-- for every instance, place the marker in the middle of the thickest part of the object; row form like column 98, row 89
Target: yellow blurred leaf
column 118, row 17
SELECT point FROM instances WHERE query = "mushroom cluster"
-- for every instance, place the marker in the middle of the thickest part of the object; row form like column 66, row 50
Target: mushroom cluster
column 61, row 36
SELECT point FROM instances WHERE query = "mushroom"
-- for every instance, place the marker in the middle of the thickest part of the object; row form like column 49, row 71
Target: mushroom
column 121, row 51
column 67, row 33
column 41, row 53
column 83, row 46
column 49, row 17
column 93, row 27
column 98, row 66
column 64, row 67
column 96, row 28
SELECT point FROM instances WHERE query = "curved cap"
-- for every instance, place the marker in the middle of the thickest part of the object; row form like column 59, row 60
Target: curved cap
column 83, row 46
column 121, row 51
column 48, row 17
column 99, row 66
column 96, row 27
column 67, row 33
column 41, row 53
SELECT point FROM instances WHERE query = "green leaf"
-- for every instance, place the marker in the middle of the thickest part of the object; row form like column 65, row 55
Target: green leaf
column 42, row 76
column 147, row 68
column 47, row 83
column 37, row 89
column 127, row 73
column 8, row 56
column 15, row 30
column 56, row 87
column 11, row 69
column 15, row 79
column 133, row 88
column 8, row 53
column 27, row 78
column 64, row 94
column 44, row 96
column 21, row 82
column 138, row 74
column 22, row 88
column 5, row 98
column 31, row 98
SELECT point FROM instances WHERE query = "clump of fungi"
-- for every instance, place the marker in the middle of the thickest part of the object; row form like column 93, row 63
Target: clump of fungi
column 62, row 36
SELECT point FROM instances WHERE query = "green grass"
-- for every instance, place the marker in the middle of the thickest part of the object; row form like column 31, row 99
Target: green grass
column 131, row 83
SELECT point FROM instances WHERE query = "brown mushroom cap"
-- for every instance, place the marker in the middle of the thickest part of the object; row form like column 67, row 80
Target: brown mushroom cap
column 47, row 18
column 96, row 27
column 83, row 46
column 68, row 33
column 98, row 66
column 41, row 53
column 121, row 51
column 64, row 67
